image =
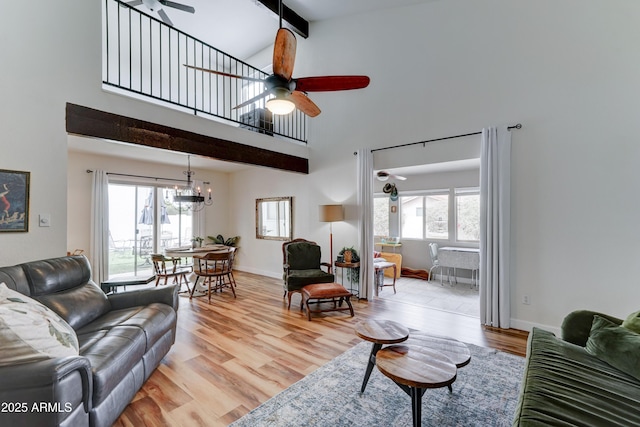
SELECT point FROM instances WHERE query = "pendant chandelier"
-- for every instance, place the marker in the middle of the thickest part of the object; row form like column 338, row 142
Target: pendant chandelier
column 190, row 196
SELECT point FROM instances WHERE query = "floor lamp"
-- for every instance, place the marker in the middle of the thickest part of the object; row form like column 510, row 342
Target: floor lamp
column 331, row 214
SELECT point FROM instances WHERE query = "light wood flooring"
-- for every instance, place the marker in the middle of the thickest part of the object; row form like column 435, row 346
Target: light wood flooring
column 233, row 355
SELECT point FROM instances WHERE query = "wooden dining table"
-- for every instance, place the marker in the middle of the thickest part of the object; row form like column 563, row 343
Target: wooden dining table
column 189, row 253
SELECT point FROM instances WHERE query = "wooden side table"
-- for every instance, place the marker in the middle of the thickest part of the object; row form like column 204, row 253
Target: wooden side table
column 111, row 286
column 379, row 332
column 351, row 266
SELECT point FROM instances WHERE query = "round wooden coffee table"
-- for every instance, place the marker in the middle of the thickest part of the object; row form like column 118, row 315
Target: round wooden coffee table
column 379, row 332
column 415, row 368
column 455, row 350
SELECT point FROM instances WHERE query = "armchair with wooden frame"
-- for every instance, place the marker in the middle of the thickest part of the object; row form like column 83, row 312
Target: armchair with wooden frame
column 302, row 266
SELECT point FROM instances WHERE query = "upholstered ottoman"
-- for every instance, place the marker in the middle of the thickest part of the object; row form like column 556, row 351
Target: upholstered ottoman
column 326, row 292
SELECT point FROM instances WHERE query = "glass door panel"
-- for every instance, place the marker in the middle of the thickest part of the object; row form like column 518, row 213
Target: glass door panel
column 131, row 230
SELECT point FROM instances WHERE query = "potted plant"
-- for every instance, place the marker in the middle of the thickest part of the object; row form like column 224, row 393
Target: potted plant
column 196, row 242
column 350, row 255
column 220, row 240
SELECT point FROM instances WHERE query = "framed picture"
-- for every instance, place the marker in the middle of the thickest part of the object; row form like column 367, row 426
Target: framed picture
column 14, row 200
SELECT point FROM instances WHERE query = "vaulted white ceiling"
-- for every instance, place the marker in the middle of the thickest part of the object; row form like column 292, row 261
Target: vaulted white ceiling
column 242, row 28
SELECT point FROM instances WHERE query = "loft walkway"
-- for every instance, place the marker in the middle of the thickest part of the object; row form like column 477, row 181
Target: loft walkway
column 143, row 57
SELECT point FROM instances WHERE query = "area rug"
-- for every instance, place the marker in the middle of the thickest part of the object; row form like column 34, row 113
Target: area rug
column 484, row 394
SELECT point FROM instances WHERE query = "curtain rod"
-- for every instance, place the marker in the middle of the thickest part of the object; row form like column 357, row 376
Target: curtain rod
column 518, row 126
column 146, row 177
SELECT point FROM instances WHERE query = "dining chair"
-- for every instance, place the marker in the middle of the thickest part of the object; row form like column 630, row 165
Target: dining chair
column 165, row 268
column 215, row 268
column 435, row 263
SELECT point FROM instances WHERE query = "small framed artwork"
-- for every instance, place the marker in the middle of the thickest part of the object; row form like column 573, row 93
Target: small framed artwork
column 14, row 200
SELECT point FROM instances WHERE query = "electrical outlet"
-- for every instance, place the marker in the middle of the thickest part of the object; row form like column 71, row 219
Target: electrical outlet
column 526, row 300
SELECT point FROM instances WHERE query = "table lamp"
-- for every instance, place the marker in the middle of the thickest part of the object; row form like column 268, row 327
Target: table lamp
column 331, row 214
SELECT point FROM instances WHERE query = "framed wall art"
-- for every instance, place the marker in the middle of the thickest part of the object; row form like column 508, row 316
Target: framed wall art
column 14, row 200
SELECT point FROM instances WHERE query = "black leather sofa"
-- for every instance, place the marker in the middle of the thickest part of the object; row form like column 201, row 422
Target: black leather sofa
column 122, row 339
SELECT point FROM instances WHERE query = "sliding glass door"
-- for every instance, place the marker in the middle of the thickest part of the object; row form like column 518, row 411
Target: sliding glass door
column 142, row 221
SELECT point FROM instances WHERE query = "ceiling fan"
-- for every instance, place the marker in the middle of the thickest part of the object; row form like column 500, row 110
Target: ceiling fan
column 384, row 176
column 290, row 93
column 156, row 6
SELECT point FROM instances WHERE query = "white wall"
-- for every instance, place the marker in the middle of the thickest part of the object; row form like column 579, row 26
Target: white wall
column 79, row 193
column 568, row 71
column 265, row 256
column 51, row 55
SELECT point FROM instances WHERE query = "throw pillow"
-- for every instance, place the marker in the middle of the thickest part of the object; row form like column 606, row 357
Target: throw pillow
column 616, row 345
column 29, row 331
column 633, row 322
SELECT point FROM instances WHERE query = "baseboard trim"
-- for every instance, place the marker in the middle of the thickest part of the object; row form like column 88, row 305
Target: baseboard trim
column 523, row 325
column 266, row 273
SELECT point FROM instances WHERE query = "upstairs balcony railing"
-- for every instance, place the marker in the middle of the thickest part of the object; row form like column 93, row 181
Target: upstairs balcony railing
column 145, row 57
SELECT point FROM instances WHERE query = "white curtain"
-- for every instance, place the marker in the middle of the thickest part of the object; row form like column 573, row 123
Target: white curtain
column 99, row 240
column 495, row 223
column 365, row 212
column 199, row 217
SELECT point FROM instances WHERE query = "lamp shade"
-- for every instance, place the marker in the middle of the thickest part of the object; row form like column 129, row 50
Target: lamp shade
column 331, row 213
column 280, row 106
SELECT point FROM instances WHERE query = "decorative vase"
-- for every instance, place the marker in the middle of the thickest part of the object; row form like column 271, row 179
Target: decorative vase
column 347, row 256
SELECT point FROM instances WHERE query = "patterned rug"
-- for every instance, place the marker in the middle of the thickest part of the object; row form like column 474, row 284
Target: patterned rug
column 484, row 394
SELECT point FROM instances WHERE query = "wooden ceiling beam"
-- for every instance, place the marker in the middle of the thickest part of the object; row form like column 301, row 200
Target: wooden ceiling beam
column 87, row 121
column 290, row 19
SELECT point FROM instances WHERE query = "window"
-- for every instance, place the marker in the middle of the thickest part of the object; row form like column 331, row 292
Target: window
column 381, row 216
column 251, row 89
column 449, row 214
column 437, row 216
column 412, row 225
column 467, row 214
column 134, row 232
column 425, row 217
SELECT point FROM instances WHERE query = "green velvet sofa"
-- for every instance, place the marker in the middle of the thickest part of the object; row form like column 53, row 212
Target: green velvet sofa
column 567, row 381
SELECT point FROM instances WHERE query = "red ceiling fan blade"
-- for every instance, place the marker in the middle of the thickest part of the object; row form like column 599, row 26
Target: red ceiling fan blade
column 304, row 104
column 221, row 73
column 331, row 83
column 284, row 53
column 252, row 100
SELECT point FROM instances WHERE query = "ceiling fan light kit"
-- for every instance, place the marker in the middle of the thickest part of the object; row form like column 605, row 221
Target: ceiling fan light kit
column 291, row 93
column 280, row 106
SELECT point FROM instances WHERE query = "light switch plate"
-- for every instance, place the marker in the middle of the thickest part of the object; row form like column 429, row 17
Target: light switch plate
column 45, row 220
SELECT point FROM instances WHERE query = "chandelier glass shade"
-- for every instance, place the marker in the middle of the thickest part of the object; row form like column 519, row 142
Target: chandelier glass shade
column 281, row 104
column 190, row 196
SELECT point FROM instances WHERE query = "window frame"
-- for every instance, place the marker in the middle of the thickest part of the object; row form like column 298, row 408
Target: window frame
column 452, row 219
column 389, row 216
column 423, row 194
column 464, row 191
